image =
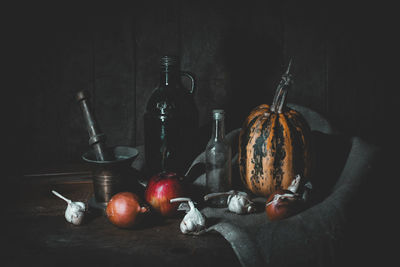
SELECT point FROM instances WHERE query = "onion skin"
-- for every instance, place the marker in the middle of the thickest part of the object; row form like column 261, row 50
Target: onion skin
column 283, row 208
column 124, row 210
column 160, row 189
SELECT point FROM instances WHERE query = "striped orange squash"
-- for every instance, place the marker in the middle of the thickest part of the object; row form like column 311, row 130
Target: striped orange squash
column 274, row 146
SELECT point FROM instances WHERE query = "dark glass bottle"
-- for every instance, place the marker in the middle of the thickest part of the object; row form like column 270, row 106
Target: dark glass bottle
column 170, row 121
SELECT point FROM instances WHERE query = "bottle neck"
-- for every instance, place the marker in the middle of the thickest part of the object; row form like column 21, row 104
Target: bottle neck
column 169, row 77
column 218, row 132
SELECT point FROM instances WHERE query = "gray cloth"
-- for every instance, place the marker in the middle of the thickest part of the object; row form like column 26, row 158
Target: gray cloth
column 309, row 238
column 313, row 236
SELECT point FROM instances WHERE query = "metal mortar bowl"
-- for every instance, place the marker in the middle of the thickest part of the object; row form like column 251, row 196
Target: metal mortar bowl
column 111, row 177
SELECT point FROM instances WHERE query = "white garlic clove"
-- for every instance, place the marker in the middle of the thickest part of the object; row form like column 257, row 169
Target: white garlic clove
column 187, row 226
column 81, row 205
column 194, row 221
column 184, row 206
column 78, row 218
column 75, row 211
column 294, row 186
column 239, row 203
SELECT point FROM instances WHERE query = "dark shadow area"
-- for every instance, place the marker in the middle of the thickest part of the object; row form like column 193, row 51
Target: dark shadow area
column 331, row 153
column 370, row 232
column 132, row 183
column 254, row 64
column 51, row 241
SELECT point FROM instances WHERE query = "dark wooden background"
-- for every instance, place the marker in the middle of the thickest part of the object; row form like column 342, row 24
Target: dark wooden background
column 342, row 66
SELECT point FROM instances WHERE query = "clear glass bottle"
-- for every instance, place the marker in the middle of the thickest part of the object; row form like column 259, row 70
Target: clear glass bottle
column 218, row 160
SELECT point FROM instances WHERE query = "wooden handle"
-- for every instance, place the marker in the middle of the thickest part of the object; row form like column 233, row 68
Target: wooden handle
column 96, row 138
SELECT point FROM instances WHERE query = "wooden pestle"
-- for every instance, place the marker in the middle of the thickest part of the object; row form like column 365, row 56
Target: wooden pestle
column 96, row 138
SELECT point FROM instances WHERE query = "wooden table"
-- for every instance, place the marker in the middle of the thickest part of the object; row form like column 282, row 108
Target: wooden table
column 36, row 233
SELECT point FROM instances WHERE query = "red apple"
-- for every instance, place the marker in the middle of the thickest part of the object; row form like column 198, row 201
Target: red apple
column 160, row 189
column 124, row 209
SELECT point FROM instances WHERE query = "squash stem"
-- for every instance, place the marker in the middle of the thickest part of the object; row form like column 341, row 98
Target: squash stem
column 279, row 100
column 282, row 101
column 276, row 96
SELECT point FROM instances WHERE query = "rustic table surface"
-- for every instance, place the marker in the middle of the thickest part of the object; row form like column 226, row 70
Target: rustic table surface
column 36, row 233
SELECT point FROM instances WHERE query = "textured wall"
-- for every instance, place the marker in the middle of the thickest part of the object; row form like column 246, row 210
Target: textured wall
column 237, row 52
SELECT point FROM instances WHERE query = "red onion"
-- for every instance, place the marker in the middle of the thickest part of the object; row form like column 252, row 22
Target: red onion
column 282, row 204
column 285, row 203
column 160, row 189
column 124, row 209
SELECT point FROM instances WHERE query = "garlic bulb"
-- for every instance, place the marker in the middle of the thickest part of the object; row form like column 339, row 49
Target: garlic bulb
column 75, row 211
column 194, row 221
column 294, row 186
column 238, row 202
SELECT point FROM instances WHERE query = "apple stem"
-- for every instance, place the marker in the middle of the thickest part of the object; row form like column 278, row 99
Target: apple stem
column 62, row 197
